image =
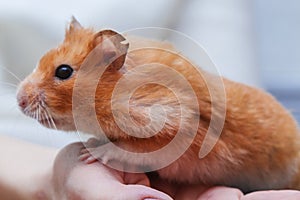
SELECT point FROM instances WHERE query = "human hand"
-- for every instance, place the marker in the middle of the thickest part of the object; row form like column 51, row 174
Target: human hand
column 225, row 193
column 73, row 179
column 199, row 192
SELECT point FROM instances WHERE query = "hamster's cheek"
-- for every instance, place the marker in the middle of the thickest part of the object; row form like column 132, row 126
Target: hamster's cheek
column 59, row 124
column 59, row 105
column 65, row 126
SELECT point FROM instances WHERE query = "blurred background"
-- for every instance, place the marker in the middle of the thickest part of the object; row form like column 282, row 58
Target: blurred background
column 256, row 42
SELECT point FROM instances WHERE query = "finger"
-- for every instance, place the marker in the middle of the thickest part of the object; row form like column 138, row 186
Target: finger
column 67, row 157
column 141, row 192
column 274, row 195
column 163, row 185
column 136, row 178
column 64, row 162
column 90, row 160
column 85, row 150
column 84, row 156
column 221, row 193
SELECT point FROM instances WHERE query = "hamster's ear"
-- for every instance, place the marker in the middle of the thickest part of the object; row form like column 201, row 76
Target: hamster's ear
column 113, row 48
column 73, row 27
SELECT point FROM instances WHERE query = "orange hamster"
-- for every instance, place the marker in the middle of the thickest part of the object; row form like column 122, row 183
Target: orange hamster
column 259, row 144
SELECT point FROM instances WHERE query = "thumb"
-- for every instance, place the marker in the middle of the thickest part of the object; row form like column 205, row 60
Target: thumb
column 141, row 192
column 274, row 195
column 221, row 193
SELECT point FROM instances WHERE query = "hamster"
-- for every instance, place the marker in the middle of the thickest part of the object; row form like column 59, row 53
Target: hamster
column 258, row 147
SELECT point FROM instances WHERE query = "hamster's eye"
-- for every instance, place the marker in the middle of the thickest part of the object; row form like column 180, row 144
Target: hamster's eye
column 63, row 72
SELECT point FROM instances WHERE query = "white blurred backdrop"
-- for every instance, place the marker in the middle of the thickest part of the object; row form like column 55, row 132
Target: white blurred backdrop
column 251, row 41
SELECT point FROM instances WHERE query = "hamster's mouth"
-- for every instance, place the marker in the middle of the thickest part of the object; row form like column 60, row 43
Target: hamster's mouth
column 48, row 122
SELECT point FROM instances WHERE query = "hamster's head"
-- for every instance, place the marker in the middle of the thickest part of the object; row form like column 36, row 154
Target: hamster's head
column 46, row 94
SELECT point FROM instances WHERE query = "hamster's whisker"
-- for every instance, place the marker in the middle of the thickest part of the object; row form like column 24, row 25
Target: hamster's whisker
column 43, row 111
column 49, row 123
column 8, row 95
column 52, row 121
column 11, row 73
column 50, row 117
column 47, row 117
column 39, row 116
column 28, row 108
column 8, row 84
column 32, row 113
column 36, row 114
column 12, row 107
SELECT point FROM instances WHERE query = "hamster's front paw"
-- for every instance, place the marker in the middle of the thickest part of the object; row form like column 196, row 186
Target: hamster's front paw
column 92, row 154
column 97, row 150
column 92, row 151
column 112, row 154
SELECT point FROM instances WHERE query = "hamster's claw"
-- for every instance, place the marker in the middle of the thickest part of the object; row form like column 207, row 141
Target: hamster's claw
column 92, row 151
column 87, row 158
column 84, row 151
column 92, row 154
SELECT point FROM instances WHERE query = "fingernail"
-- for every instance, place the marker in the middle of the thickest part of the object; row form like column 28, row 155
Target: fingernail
column 151, row 199
column 80, row 158
column 90, row 160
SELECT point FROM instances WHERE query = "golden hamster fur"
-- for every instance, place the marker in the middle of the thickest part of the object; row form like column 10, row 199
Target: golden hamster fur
column 259, row 144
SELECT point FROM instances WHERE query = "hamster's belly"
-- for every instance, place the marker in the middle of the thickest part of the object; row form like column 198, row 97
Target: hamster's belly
column 211, row 172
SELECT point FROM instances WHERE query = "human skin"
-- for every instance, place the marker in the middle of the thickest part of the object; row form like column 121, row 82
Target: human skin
column 74, row 179
column 29, row 171
column 33, row 172
column 25, row 169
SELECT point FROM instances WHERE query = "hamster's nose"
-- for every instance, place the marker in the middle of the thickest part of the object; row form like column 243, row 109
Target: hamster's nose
column 22, row 100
